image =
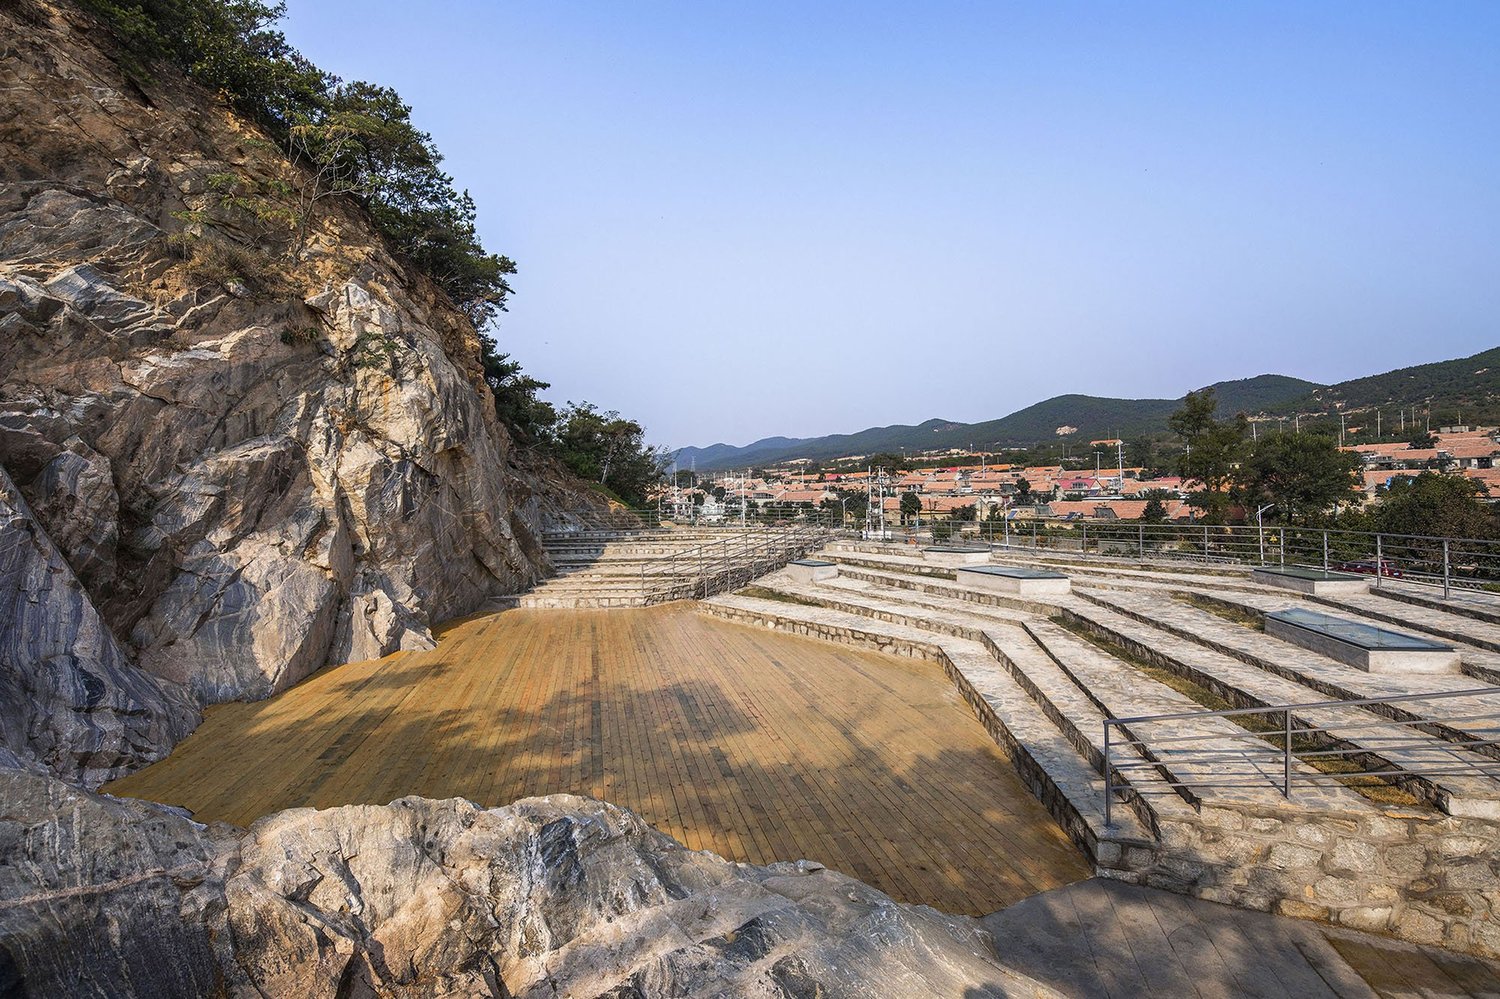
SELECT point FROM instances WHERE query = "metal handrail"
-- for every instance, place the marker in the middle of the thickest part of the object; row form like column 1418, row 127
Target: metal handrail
column 1467, row 755
column 1450, row 563
column 721, row 564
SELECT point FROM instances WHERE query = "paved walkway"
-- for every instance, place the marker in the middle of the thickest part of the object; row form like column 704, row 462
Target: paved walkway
column 757, row 745
column 1102, row 939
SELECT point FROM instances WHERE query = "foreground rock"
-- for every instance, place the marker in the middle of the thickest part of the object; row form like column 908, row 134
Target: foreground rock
column 253, row 466
column 547, row 897
column 70, row 701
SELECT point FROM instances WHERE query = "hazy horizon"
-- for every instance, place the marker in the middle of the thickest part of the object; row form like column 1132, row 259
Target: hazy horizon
column 775, row 220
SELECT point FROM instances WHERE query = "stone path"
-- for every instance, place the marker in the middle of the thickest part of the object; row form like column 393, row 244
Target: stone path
column 1103, row 939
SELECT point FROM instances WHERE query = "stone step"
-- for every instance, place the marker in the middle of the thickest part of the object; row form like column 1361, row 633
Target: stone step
column 1129, row 567
column 941, row 592
column 1477, row 661
column 1061, row 777
column 1241, row 767
column 543, row 601
column 887, row 563
column 1204, row 648
column 1477, row 604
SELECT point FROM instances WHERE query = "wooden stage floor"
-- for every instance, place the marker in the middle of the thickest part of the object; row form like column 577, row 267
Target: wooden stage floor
column 756, row 745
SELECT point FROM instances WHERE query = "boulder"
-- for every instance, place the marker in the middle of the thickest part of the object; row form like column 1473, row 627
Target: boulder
column 555, row 896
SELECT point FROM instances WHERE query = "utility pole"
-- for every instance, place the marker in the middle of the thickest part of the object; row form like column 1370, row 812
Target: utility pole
column 1120, row 453
column 1341, row 429
column 1377, row 424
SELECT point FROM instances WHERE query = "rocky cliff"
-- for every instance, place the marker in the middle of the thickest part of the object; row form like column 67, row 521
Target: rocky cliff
column 557, row 896
column 251, row 465
column 221, row 469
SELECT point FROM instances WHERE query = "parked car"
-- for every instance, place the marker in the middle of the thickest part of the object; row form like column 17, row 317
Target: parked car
column 1367, row 566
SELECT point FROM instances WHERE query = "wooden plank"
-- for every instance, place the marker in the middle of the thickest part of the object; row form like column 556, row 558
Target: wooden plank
column 758, row 745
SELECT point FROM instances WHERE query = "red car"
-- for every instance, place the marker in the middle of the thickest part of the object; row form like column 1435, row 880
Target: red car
column 1388, row 569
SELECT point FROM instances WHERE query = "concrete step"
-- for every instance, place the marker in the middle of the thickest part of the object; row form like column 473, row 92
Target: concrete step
column 939, row 592
column 1241, row 767
column 1478, row 661
column 1480, row 605
column 1234, row 662
column 578, row 601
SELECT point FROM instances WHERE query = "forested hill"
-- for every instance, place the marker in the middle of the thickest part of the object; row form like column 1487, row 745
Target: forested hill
column 1466, row 387
column 1463, row 390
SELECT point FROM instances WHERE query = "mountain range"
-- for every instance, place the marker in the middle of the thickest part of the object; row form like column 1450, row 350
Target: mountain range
column 1467, row 387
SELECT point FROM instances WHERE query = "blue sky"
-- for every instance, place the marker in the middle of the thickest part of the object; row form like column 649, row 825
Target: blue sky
column 739, row 220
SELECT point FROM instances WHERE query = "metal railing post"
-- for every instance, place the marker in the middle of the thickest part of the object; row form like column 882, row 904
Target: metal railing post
column 1142, row 528
column 1379, row 561
column 1109, row 787
column 1085, row 537
column 1286, row 754
column 1325, row 550
column 1446, row 580
column 1205, row 542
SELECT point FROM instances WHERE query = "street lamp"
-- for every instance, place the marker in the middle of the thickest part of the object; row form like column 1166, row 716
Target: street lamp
column 1261, row 531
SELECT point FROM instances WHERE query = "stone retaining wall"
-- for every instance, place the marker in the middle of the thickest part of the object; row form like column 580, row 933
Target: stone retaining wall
column 1415, row 874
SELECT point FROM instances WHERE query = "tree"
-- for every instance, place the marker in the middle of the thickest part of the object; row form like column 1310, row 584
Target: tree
column 533, row 421
column 1155, row 511
column 1435, row 505
column 1303, row 473
column 1023, row 492
column 1212, row 451
column 605, row 448
column 356, row 139
column 911, row 506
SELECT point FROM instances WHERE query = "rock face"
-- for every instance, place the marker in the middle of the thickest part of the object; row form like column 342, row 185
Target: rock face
column 253, row 467
column 70, row 701
column 557, row 896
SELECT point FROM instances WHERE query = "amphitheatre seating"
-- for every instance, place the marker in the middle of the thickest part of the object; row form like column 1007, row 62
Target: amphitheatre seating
column 1354, row 821
column 634, row 567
